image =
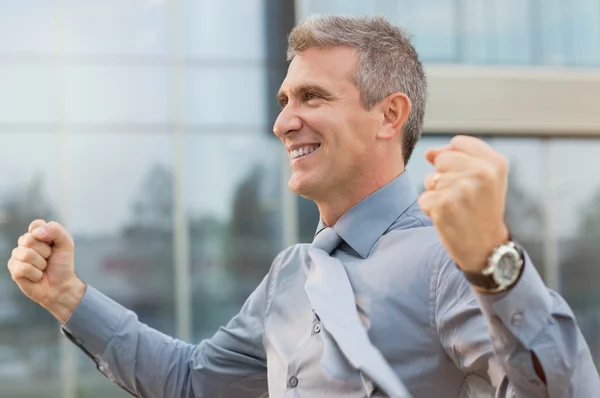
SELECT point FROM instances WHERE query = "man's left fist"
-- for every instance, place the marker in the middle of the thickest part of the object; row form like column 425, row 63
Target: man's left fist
column 465, row 198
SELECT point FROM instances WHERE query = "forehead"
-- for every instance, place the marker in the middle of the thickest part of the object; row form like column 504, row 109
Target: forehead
column 328, row 67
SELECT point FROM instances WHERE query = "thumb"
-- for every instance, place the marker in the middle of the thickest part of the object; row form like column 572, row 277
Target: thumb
column 36, row 224
column 54, row 233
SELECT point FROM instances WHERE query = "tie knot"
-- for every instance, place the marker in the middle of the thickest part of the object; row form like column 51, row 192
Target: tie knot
column 327, row 240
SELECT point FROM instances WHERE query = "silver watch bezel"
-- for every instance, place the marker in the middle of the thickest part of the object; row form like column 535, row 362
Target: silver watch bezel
column 494, row 271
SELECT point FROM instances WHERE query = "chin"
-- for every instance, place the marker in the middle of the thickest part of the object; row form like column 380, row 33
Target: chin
column 301, row 186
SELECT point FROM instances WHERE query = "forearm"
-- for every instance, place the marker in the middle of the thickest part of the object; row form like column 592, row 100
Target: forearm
column 531, row 322
column 139, row 359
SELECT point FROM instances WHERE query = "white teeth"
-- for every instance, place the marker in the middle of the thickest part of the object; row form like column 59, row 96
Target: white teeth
column 296, row 153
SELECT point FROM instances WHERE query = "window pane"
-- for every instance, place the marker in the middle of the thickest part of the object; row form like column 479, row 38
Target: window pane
column 577, row 210
column 117, row 94
column 228, row 95
column 234, row 205
column 28, row 26
column 476, row 35
column 349, row 7
column 511, row 27
column 120, row 215
column 586, row 32
column 29, row 347
column 218, row 29
column 118, row 27
column 435, row 30
column 555, row 32
column 29, row 94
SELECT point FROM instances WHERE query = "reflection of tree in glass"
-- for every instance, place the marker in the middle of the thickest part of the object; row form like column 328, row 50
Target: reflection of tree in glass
column 230, row 257
column 27, row 326
column 18, row 208
column 148, row 239
column 580, row 273
column 250, row 248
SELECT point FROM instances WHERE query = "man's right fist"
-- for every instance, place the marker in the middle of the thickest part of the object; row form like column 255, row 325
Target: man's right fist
column 43, row 265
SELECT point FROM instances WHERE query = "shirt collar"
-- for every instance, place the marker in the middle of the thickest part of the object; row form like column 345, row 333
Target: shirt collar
column 363, row 225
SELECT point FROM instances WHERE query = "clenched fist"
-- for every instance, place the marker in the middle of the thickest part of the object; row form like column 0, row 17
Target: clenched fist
column 465, row 198
column 43, row 266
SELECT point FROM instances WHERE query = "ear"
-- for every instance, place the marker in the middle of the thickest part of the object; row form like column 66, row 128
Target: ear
column 395, row 109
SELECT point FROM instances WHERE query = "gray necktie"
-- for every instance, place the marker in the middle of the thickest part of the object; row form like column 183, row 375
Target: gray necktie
column 332, row 298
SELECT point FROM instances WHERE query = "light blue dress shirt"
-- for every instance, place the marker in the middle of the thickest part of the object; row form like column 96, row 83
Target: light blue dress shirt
column 439, row 336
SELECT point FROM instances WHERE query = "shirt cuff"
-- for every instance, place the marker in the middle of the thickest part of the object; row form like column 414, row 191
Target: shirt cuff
column 525, row 309
column 94, row 322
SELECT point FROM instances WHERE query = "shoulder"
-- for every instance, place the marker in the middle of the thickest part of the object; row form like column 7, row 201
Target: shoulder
column 290, row 254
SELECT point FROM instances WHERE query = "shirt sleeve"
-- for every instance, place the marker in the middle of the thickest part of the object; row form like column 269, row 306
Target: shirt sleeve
column 147, row 363
column 493, row 336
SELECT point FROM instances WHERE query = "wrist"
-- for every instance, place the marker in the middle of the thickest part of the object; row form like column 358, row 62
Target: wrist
column 503, row 271
column 68, row 298
column 479, row 260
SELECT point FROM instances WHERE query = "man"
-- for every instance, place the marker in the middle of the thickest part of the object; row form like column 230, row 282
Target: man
column 382, row 303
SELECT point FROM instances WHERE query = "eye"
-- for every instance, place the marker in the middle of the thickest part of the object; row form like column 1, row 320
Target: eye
column 283, row 102
column 311, row 96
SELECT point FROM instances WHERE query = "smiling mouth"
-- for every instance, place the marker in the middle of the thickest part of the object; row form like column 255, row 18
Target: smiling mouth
column 303, row 151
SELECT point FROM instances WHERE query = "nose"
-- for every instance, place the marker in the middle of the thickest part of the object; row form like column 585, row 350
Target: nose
column 287, row 122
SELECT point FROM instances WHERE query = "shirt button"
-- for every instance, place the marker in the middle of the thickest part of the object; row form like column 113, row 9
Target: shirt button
column 516, row 319
column 293, row 381
column 317, row 328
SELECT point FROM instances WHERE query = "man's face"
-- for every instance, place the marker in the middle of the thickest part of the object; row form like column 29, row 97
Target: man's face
column 329, row 135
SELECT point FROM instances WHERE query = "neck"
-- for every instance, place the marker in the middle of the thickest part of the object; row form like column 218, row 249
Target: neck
column 344, row 197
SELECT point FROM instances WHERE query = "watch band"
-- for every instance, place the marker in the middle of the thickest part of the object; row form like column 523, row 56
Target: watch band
column 481, row 280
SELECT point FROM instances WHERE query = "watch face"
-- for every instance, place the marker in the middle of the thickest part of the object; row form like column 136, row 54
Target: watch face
column 507, row 269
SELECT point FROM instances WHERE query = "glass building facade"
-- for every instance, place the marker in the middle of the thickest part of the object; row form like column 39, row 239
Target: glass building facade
column 144, row 127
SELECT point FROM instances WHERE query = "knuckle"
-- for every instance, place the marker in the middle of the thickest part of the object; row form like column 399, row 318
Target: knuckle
column 465, row 189
column 23, row 254
column 447, row 204
column 17, row 271
column 442, row 160
column 28, row 240
column 483, row 173
column 502, row 165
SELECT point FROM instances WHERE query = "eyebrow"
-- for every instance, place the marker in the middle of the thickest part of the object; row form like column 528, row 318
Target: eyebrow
column 306, row 88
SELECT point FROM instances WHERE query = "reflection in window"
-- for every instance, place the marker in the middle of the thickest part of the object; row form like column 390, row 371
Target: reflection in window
column 231, row 95
column 117, row 27
column 28, row 26
column 216, row 29
column 28, row 334
column 235, row 221
column 29, row 94
column 118, row 94
column 120, row 215
column 577, row 200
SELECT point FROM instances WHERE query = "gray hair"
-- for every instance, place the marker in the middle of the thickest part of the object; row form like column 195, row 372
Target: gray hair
column 388, row 62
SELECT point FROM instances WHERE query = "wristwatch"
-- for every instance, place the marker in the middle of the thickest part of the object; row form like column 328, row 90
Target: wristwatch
column 502, row 271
